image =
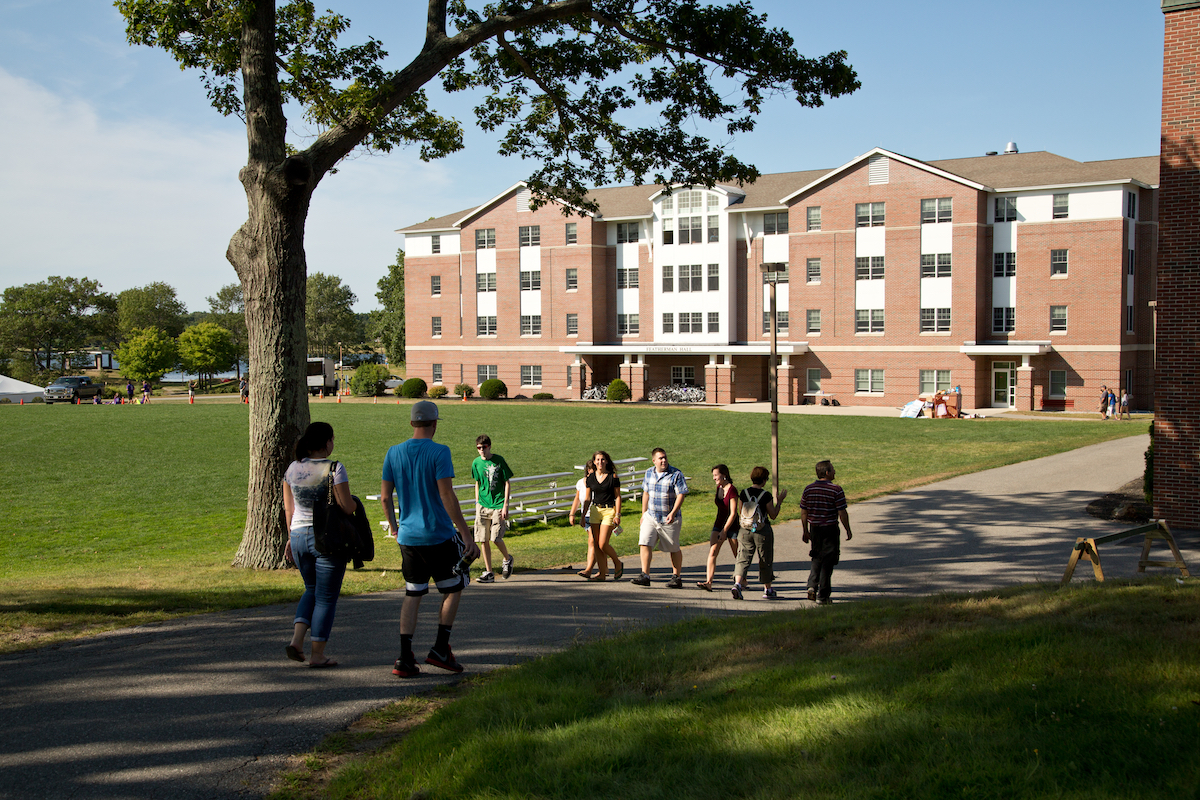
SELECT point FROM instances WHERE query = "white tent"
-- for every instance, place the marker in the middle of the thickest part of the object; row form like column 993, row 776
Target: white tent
column 16, row 390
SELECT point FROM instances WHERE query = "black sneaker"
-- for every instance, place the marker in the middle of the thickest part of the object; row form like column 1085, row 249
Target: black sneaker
column 506, row 568
column 676, row 582
column 487, row 577
column 406, row 669
column 641, row 580
column 447, row 661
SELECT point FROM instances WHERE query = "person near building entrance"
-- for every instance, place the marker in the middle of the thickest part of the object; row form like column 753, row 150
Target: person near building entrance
column 663, row 490
column 1126, row 399
column 822, row 506
column 492, row 488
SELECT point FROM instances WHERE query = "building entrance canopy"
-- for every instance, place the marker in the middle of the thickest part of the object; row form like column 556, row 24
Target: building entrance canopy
column 756, row 349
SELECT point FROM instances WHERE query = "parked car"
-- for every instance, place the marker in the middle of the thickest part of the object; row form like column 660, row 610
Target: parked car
column 70, row 388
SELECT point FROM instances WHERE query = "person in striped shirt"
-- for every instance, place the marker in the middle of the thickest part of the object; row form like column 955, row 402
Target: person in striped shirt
column 822, row 505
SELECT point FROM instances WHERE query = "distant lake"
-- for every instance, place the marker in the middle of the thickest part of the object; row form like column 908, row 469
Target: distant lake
column 180, row 377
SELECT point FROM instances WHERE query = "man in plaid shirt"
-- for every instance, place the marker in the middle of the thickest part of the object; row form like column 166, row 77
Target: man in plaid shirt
column 663, row 489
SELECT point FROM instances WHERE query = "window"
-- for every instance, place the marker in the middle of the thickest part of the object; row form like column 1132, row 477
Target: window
column 486, row 372
column 435, row 243
column 690, row 230
column 531, row 280
column 813, row 270
column 485, row 326
column 691, row 201
column 935, row 380
column 868, row 268
column 781, row 321
column 485, row 281
column 1060, row 206
column 627, row 232
column 813, row 320
column 627, row 324
column 714, row 277
column 668, row 202
column 868, row 320
column 714, row 202
column 668, row 323
column 1058, row 262
column 714, row 322
column 1058, row 383
column 437, row 373
column 668, row 231
column 572, row 324
column 572, row 232
column 814, row 218
column 936, row 210
column 668, row 278
column 531, row 324
column 627, row 278
column 935, row 265
column 781, row 276
column 683, row 376
column 868, row 380
column 714, row 229
column 1004, row 265
column 775, row 223
column 570, row 376
column 572, row 279
column 485, row 238
column 935, row 320
column 1131, row 205
column 1006, row 209
column 530, row 235
column 1129, row 318
column 436, row 325
column 1129, row 263
column 1058, row 319
column 1004, row 320
column 435, row 285
column 868, row 215
column 814, row 381
column 691, row 278
column 691, row 322
column 531, row 375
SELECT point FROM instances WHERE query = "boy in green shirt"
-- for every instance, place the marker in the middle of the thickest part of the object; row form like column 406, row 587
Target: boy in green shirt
column 491, row 474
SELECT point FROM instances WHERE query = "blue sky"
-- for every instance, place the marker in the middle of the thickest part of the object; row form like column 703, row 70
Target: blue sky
column 120, row 171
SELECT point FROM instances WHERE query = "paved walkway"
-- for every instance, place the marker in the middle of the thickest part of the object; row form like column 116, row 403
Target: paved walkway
column 208, row 707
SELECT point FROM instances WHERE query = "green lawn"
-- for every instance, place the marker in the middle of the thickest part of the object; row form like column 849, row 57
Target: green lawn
column 1031, row 692
column 118, row 515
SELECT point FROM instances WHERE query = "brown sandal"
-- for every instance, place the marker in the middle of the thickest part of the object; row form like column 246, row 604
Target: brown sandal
column 705, row 585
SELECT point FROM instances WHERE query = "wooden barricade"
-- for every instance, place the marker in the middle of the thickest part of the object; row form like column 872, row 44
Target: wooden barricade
column 1086, row 547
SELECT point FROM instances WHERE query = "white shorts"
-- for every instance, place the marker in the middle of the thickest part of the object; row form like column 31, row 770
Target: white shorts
column 660, row 533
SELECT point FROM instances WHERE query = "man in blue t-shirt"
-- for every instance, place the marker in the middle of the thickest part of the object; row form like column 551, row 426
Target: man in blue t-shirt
column 422, row 475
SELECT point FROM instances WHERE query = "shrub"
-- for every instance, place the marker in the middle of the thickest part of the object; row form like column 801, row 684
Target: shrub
column 367, row 380
column 543, row 396
column 492, row 389
column 464, row 390
column 413, row 388
column 438, row 392
column 618, row 391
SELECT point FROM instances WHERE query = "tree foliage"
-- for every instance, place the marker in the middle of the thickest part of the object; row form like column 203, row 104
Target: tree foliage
column 387, row 324
column 367, row 380
column 151, row 306
column 329, row 317
column 205, row 349
column 227, row 308
column 56, row 317
column 147, row 354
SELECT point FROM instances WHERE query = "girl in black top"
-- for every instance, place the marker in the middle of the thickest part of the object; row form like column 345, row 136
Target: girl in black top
column 604, row 492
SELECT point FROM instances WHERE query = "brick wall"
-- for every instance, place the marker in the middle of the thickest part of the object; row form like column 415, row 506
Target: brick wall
column 1177, row 390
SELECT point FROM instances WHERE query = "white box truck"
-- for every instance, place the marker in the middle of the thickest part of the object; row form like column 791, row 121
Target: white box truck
column 321, row 375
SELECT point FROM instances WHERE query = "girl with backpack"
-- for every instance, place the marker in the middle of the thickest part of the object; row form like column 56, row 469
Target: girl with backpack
column 725, row 526
column 758, row 509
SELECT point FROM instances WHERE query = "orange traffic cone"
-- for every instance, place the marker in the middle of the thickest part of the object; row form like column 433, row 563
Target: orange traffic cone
column 374, row 400
column 191, row 400
column 22, row 401
column 339, row 397
column 321, row 396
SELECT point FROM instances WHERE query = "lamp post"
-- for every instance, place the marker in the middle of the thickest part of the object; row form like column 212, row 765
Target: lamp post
column 771, row 271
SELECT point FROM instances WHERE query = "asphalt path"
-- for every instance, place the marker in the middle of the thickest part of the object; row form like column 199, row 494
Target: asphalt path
column 208, row 707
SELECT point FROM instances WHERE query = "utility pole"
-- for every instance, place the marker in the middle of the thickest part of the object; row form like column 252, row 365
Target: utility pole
column 771, row 271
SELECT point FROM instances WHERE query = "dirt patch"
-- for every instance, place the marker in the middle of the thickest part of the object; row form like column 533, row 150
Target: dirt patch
column 1127, row 503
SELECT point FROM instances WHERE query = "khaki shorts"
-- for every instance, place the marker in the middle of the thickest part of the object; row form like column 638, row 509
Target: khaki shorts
column 607, row 514
column 664, row 535
column 490, row 525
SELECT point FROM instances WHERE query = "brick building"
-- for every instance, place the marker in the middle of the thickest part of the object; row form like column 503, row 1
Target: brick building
column 1023, row 278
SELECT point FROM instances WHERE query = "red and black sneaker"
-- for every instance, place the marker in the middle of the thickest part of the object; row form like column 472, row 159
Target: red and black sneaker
column 406, row 668
column 447, row 661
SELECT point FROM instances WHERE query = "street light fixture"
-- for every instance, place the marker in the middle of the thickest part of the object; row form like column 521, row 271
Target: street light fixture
column 771, row 272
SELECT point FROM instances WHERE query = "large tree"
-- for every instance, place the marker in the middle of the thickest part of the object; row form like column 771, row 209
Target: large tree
column 147, row 354
column 328, row 316
column 387, row 324
column 151, row 306
column 206, row 349
column 55, row 317
column 227, row 308
column 568, row 81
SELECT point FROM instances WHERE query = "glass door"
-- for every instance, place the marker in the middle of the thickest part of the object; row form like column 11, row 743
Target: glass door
column 1004, row 384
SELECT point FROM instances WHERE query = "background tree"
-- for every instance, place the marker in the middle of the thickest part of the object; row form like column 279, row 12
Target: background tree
column 151, row 306
column 227, row 308
column 205, row 349
column 329, row 318
column 570, row 82
column 387, row 324
column 147, row 354
column 56, row 317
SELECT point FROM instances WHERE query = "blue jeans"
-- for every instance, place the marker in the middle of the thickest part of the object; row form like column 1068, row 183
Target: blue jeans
column 322, row 584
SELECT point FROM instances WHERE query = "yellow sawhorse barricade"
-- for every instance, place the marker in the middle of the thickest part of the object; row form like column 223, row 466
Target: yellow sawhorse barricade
column 1086, row 547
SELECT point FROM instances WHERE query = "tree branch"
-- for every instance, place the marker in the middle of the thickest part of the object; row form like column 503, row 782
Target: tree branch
column 563, row 124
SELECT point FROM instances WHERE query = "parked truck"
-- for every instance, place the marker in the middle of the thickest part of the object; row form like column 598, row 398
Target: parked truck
column 321, row 376
column 70, row 388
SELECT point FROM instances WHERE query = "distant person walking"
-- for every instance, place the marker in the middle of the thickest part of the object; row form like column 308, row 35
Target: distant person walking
column 492, row 489
column 244, row 390
column 758, row 508
column 663, row 490
column 145, row 392
column 1126, row 400
column 725, row 526
column 421, row 473
column 1113, row 409
column 581, row 504
column 822, row 506
column 129, row 390
column 603, row 494
column 305, row 480
column 191, row 391
column 1103, row 402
